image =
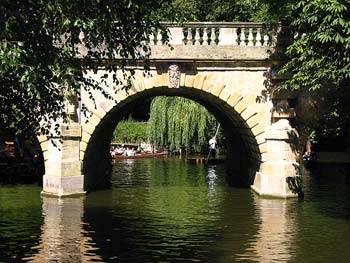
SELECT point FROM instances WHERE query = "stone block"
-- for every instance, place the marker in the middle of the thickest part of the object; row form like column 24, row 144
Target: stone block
column 272, row 186
column 279, row 168
column 199, row 81
column 45, row 155
column 245, row 103
column 263, row 148
column 121, row 95
column 63, row 168
column 85, row 137
column 42, row 138
column 148, row 82
column 83, row 146
column 224, row 94
column 217, row 88
column 290, row 113
column 71, row 130
column 189, row 81
column 209, row 82
column 234, row 98
column 94, row 120
column 259, row 129
column 81, row 155
column 281, row 130
column 44, row 145
column 63, row 186
column 70, row 151
column 88, row 127
column 99, row 112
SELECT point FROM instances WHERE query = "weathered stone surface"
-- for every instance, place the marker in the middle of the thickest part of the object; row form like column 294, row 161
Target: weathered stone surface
column 71, row 130
column 210, row 52
column 279, row 163
column 189, row 81
column 94, row 120
column 272, row 186
column 290, row 113
column 85, row 137
column 63, row 185
column 88, row 127
column 217, row 88
column 63, row 168
column 281, row 130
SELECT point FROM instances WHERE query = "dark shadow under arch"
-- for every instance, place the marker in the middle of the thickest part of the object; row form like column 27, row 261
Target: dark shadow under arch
column 243, row 153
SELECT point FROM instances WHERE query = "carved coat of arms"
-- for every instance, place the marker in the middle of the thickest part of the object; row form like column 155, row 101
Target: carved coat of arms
column 174, row 76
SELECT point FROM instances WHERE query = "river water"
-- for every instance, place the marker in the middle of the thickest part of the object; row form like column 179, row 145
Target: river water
column 169, row 210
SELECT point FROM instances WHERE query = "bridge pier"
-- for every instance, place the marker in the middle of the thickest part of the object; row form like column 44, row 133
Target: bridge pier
column 63, row 168
column 278, row 175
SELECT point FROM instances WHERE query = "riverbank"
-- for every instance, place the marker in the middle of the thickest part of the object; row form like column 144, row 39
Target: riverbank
column 333, row 157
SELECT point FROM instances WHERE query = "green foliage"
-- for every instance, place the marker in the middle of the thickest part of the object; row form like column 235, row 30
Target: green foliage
column 320, row 56
column 131, row 131
column 176, row 121
column 217, row 10
column 319, row 60
column 39, row 43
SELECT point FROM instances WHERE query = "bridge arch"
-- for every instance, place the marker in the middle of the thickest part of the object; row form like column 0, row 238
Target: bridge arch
column 226, row 74
column 231, row 96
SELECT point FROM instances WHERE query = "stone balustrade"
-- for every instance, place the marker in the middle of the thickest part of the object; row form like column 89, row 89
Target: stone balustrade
column 217, row 33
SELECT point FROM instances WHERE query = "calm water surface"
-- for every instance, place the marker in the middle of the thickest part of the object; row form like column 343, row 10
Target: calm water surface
column 168, row 210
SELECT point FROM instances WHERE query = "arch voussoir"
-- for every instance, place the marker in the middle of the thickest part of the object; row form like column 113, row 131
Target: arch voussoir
column 199, row 80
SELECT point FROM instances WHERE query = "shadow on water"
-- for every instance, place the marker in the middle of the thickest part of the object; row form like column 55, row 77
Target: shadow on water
column 328, row 186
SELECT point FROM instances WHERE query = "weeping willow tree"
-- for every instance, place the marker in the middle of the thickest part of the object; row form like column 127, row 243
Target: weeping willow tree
column 176, row 122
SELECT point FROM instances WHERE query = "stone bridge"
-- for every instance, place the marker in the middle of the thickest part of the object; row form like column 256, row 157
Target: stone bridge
column 226, row 67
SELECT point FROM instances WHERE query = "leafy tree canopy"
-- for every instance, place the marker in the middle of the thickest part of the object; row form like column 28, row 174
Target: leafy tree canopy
column 39, row 43
column 176, row 122
column 222, row 10
column 320, row 54
column 131, row 131
column 319, row 60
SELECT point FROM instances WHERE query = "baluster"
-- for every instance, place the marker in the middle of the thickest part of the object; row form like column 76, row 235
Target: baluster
column 266, row 40
column 212, row 36
column 205, row 37
column 151, row 38
column 250, row 37
column 242, row 37
column 197, row 37
column 184, row 41
column 258, row 38
column 235, row 37
column 159, row 38
column 189, row 36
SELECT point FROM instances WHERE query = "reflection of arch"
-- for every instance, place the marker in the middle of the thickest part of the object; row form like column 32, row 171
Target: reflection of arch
column 230, row 96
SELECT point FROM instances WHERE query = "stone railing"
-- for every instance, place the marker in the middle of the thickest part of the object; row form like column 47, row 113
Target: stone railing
column 218, row 33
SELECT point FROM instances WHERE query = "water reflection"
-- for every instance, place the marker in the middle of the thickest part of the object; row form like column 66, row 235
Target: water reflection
column 157, row 211
column 172, row 211
column 211, row 177
column 62, row 238
column 153, row 216
column 277, row 231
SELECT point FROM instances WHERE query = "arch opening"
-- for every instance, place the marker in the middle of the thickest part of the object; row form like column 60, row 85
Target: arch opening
column 243, row 155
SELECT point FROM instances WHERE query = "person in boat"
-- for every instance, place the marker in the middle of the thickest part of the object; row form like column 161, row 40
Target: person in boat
column 129, row 152
column 308, row 154
column 119, row 150
column 212, row 146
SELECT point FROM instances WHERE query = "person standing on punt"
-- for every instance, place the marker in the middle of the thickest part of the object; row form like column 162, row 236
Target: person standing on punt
column 212, row 146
